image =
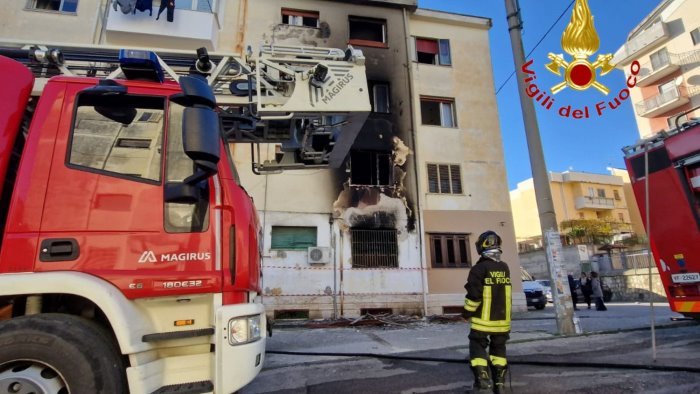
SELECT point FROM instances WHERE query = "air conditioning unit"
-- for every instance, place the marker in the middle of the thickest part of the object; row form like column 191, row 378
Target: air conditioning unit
column 318, row 255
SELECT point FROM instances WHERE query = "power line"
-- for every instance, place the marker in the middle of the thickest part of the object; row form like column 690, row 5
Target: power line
column 538, row 42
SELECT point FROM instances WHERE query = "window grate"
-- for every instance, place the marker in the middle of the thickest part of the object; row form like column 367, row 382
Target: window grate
column 374, row 248
column 449, row 250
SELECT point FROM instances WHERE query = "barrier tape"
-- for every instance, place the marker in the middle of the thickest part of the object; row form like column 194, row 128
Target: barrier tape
column 349, row 269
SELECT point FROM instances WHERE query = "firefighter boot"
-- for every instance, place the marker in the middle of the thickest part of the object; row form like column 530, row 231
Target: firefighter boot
column 482, row 380
column 499, row 378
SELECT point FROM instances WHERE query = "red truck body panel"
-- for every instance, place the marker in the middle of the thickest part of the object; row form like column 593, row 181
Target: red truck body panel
column 674, row 213
column 16, row 81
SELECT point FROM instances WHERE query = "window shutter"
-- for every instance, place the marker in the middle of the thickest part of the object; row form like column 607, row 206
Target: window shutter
column 456, row 178
column 412, row 49
column 427, row 46
column 433, row 179
column 445, row 55
column 444, row 179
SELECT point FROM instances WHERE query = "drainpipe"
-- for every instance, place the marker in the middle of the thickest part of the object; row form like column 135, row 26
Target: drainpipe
column 342, row 295
column 419, row 216
column 335, row 267
column 103, row 24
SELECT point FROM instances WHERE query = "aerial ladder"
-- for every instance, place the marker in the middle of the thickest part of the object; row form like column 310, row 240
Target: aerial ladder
column 309, row 102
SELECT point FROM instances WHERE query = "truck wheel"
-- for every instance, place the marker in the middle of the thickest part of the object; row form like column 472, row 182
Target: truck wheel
column 540, row 306
column 58, row 354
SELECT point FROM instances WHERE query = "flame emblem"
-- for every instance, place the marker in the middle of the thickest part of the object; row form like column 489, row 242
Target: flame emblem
column 580, row 40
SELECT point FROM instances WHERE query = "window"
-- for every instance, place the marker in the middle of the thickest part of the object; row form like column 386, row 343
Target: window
column 54, row 5
column 431, row 51
column 293, row 238
column 672, row 120
column 659, row 59
column 437, row 112
column 102, row 140
column 695, row 36
column 668, row 89
column 196, row 5
column 601, row 193
column 371, row 168
column 621, row 216
column 368, row 32
column 591, row 192
column 449, row 250
column 616, row 194
column 300, row 17
column 380, row 97
column 580, row 215
column 374, row 248
column 444, row 179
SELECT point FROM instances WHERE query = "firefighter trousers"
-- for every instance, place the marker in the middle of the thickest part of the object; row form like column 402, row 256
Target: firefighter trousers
column 486, row 346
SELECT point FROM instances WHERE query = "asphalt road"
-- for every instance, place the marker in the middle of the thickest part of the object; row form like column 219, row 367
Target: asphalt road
column 617, row 336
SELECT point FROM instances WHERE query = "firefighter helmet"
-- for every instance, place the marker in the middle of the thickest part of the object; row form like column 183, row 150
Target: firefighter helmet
column 488, row 241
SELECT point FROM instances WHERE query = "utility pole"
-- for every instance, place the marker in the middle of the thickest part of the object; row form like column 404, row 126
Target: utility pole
column 548, row 221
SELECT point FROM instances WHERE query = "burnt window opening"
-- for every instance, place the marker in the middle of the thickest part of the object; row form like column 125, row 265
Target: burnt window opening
column 374, row 248
column 379, row 99
column 450, row 251
column 300, row 17
column 433, row 51
column 444, row 179
column 368, row 32
column 371, row 168
column 438, row 112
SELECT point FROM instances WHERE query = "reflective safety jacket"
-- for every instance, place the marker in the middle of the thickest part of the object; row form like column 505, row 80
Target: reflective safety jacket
column 488, row 300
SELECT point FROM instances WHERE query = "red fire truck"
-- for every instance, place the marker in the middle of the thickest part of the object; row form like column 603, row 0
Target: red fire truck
column 130, row 252
column 670, row 163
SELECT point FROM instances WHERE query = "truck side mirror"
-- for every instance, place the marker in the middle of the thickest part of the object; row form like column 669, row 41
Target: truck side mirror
column 200, row 138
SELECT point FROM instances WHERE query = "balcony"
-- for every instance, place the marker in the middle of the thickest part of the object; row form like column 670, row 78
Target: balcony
column 586, row 202
column 645, row 40
column 653, row 71
column 190, row 29
column 662, row 103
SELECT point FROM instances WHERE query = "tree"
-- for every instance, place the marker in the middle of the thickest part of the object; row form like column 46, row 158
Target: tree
column 594, row 231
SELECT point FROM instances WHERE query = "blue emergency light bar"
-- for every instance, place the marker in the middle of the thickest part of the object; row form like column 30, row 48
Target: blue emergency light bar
column 142, row 65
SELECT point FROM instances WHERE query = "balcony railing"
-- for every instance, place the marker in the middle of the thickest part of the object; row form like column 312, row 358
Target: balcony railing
column 663, row 102
column 654, row 35
column 587, row 202
column 651, row 72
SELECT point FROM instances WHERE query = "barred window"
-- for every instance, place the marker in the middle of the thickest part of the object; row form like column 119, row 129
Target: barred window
column 374, row 248
column 444, row 179
column 449, row 250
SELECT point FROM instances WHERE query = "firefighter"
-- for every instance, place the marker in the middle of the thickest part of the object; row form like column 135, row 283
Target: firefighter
column 487, row 304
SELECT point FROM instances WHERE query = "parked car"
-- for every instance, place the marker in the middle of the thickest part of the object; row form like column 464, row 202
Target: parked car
column 534, row 292
column 607, row 292
column 547, row 289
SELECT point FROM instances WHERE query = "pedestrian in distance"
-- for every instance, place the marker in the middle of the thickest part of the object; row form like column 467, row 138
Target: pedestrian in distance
column 487, row 305
column 572, row 289
column 586, row 288
column 597, row 292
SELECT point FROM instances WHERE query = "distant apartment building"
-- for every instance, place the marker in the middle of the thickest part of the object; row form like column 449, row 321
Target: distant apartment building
column 392, row 229
column 576, row 196
column 667, row 46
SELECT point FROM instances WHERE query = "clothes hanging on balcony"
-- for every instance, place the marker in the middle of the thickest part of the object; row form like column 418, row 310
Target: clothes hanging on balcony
column 144, row 5
column 170, row 5
column 127, row 6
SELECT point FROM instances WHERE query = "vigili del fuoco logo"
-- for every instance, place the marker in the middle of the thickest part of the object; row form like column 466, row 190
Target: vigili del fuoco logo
column 581, row 41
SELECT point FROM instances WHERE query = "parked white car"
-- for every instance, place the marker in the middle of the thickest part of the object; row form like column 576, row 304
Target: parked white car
column 534, row 292
column 547, row 289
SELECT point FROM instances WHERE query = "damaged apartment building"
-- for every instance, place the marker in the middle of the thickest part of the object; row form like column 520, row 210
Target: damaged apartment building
column 392, row 229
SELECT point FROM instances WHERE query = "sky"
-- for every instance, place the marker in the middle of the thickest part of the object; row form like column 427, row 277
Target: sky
column 586, row 145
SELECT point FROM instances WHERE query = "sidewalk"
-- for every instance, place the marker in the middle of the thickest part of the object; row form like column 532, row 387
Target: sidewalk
column 425, row 337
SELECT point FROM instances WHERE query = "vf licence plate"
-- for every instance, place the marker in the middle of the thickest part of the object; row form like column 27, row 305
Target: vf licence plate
column 686, row 278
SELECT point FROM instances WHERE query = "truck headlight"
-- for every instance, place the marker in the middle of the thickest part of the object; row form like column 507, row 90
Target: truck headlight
column 244, row 330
